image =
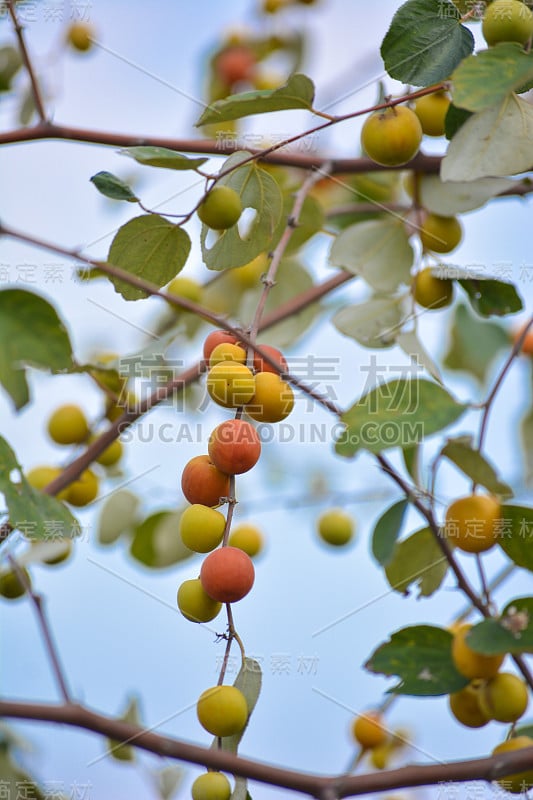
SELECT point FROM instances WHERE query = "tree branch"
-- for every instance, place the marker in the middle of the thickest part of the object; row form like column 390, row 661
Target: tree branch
column 35, row 88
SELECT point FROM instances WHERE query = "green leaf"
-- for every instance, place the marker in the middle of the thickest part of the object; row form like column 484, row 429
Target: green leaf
column 425, row 42
column 461, row 452
column 411, row 459
column 31, row 334
column 376, row 323
column 474, row 344
column 516, row 534
column 484, row 80
column 35, row 514
column 111, row 186
column 148, row 247
column 117, row 750
column 526, row 441
column 10, row 63
column 161, row 157
column 413, row 347
column 156, row 542
column 117, row 516
column 386, row 532
column 249, row 681
column 167, row 780
column 505, row 130
column 14, row 781
column 417, row 559
column 257, row 190
column 397, row 414
column 512, row 633
column 523, row 730
column 492, row 298
column 449, row 199
column 377, row 250
column 298, row 92
column 421, row 656
column 455, row 119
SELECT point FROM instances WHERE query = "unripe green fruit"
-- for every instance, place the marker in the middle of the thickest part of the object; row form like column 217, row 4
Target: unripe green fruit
column 440, row 234
column 68, row 425
column 185, row 287
column 222, row 710
column 521, row 781
column 221, row 208
column 505, row 697
column 335, row 527
column 211, row 786
column 195, row 604
column 432, row 292
column 11, row 587
column 507, row 21
column 392, row 137
column 201, row 528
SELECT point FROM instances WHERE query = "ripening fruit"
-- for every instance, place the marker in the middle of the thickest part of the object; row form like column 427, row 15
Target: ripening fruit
column 507, row 21
column 68, row 425
column 430, row 291
column 368, row 730
column 230, row 384
column 249, row 275
column 203, row 483
column 201, row 528
column 111, row 455
column 472, row 523
column 222, row 710
column 234, row 446
column 273, row 399
column 335, row 527
column 195, row 604
column 392, row 137
column 11, row 587
column 260, row 365
column 527, row 344
column 79, row 36
column 520, row 781
column 440, row 234
column 83, row 490
column 235, row 64
column 221, row 208
column 211, row 786
column 431, row 110
column 227, row 352
column 40, row 477
column 187, row 288
column 505, row 697
column 246, row 537
column 215, row 338
column 227, row 574
column 470, row 663
column 465, row 706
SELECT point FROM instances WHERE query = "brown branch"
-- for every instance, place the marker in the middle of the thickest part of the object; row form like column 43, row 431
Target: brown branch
column 77, row 716
column 35, row 88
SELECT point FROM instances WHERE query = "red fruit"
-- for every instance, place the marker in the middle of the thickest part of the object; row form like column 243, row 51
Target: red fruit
column 263, row 366
column 234, row 446
column 202, row 482
column 215, row 338
column 235, row 64
column 227, row 574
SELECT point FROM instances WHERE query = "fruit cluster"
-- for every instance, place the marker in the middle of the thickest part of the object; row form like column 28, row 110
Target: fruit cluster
column 254, row 388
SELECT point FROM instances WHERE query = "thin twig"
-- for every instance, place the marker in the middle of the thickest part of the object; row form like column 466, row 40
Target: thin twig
column 35, row 88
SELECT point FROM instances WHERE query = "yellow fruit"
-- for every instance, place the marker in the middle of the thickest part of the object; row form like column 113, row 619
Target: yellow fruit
column 201, row 528
column 430, row 291
column 195, row 604
column 465, row 706
column 227, row 352
column 221, row 208
column 520, row 781
column 380, row 756
column 336, row 527
column 505, row 697
column 368, row 730
column 249, row 276
column 68, row 425
column 11, row 587
column 230, row 384
column 222, row 710
column 472, row 523
column 273, row 399
column 84, row 490
column 40, row 477
column 186, row 288
column 507, row 21
column 111, row 455
column 470, row 663
column 79, row 36
column 440, row 234
column 392, row 137
column 116, row 410
column 248, row 538
column 431, row 110
column 211, row 786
